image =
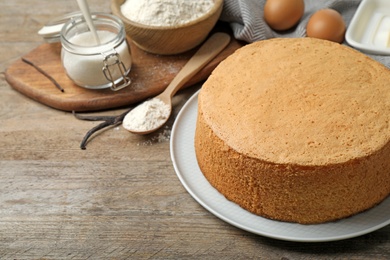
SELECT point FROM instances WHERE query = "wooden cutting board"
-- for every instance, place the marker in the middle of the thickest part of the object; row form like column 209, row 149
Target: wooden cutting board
column 150, row 74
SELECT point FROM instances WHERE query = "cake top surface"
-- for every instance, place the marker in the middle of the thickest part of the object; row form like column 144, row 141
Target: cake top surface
column 299, row 101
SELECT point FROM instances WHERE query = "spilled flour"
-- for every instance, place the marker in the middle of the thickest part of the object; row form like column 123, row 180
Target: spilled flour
column 162, row 136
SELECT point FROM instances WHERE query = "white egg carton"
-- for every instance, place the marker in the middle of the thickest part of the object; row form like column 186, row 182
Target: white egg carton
column 369, row 29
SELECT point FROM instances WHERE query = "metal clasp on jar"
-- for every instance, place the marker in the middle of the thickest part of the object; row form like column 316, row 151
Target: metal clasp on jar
column 111, row 61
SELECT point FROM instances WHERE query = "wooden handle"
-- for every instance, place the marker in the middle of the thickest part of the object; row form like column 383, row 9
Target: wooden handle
column 210, row 49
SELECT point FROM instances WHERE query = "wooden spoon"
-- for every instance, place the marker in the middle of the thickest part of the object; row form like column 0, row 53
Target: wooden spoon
column 152, row 114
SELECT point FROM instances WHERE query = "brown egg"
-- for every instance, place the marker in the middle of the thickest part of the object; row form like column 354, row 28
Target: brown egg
column 326, row 24
column 283, row 14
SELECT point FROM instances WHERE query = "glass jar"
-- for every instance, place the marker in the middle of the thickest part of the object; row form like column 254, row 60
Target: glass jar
column 96, row 65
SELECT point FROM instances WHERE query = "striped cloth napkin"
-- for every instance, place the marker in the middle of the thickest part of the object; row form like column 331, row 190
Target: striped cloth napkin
column 246, row 20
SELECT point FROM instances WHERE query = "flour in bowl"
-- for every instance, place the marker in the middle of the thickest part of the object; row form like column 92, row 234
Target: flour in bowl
column 165, row 12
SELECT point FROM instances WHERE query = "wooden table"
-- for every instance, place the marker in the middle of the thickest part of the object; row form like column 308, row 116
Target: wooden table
column 118, row 199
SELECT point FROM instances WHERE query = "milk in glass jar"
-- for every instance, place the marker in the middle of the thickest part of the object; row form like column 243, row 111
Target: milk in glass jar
column 93, row 63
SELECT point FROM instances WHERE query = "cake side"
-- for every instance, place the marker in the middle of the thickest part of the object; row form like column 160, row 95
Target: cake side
column 292, row 193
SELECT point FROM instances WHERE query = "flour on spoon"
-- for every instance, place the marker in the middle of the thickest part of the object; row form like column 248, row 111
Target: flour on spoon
column 147, row 116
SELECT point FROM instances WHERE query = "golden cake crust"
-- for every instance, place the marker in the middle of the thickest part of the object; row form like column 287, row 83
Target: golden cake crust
column 297, row 130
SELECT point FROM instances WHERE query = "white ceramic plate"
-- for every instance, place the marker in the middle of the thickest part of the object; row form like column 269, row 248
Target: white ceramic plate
column 187, row 169
column 369, row 29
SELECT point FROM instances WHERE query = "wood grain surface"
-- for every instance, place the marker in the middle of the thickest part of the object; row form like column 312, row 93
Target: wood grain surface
column 120, row 198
